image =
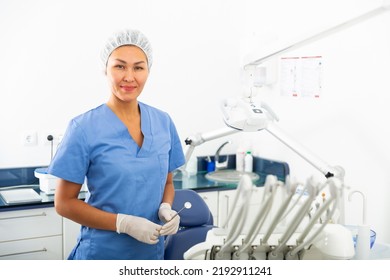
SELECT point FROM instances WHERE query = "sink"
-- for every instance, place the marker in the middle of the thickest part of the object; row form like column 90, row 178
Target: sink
column 230, row 176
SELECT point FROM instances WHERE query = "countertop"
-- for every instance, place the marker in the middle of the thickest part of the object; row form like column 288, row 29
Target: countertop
column 197, row 182
column 200, row 183
column 24, row 177
column 47, row 200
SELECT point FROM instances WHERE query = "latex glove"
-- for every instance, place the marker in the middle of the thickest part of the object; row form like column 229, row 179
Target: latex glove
column 165, row 213
column 140, row 228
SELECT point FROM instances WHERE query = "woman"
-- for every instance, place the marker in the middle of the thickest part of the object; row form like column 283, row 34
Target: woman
column 127, row 151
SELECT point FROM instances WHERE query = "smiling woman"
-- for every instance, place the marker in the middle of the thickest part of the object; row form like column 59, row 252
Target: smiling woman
column 127, row 73
column 117, row 147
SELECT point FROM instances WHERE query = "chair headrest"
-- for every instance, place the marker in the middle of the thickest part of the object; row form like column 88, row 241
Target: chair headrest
column 197, row 215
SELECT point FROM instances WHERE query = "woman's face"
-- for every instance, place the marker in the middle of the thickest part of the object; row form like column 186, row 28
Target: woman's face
column 127, row 72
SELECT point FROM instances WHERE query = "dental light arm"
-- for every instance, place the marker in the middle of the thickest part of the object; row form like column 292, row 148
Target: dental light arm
column 320, row 165
column 321, row 34
column 245, row 115
column 200, row 138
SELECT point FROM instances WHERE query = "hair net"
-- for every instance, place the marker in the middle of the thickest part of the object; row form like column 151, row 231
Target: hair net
column 127, row 37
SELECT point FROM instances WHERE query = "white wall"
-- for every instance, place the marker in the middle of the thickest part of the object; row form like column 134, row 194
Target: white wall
column 50, row 72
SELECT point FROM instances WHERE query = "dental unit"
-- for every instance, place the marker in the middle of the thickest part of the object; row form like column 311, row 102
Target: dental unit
column 289, row 223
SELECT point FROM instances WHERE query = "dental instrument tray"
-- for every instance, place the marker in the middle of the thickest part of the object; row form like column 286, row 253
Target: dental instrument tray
column 17, row 196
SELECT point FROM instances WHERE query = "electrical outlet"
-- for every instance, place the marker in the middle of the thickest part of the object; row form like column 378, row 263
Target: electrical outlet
column 30, row 138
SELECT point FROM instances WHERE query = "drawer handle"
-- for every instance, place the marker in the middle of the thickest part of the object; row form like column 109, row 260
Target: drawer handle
column 22, row 253
column 24, row 216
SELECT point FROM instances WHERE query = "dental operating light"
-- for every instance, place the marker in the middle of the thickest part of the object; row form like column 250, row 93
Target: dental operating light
column 244, row 115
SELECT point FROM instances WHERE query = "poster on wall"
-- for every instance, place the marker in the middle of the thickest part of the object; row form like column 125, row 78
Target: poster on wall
column 301, row 76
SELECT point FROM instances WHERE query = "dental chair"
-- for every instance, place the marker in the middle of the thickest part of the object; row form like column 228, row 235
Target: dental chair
column 194, row 224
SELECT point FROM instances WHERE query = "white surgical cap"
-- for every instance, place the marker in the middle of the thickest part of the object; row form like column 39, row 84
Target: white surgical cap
column 127, row 37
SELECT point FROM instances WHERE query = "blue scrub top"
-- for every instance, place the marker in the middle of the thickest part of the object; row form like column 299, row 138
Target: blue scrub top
column 121, row 176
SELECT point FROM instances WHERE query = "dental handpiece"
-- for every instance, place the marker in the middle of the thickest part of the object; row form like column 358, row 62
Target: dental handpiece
column 187, row 205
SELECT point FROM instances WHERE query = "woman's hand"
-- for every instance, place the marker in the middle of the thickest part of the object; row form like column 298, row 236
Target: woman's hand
column 140, row 228
column 169, row 217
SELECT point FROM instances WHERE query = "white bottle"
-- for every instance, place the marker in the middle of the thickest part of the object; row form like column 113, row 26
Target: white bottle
column 248, row 162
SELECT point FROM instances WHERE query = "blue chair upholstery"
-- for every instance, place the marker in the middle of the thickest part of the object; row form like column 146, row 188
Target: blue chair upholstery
column 194, row 224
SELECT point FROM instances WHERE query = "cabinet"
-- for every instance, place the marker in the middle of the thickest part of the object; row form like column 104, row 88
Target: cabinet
column 71, row 231
column 36, row 234
column 31, row 234
column 225, row 202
